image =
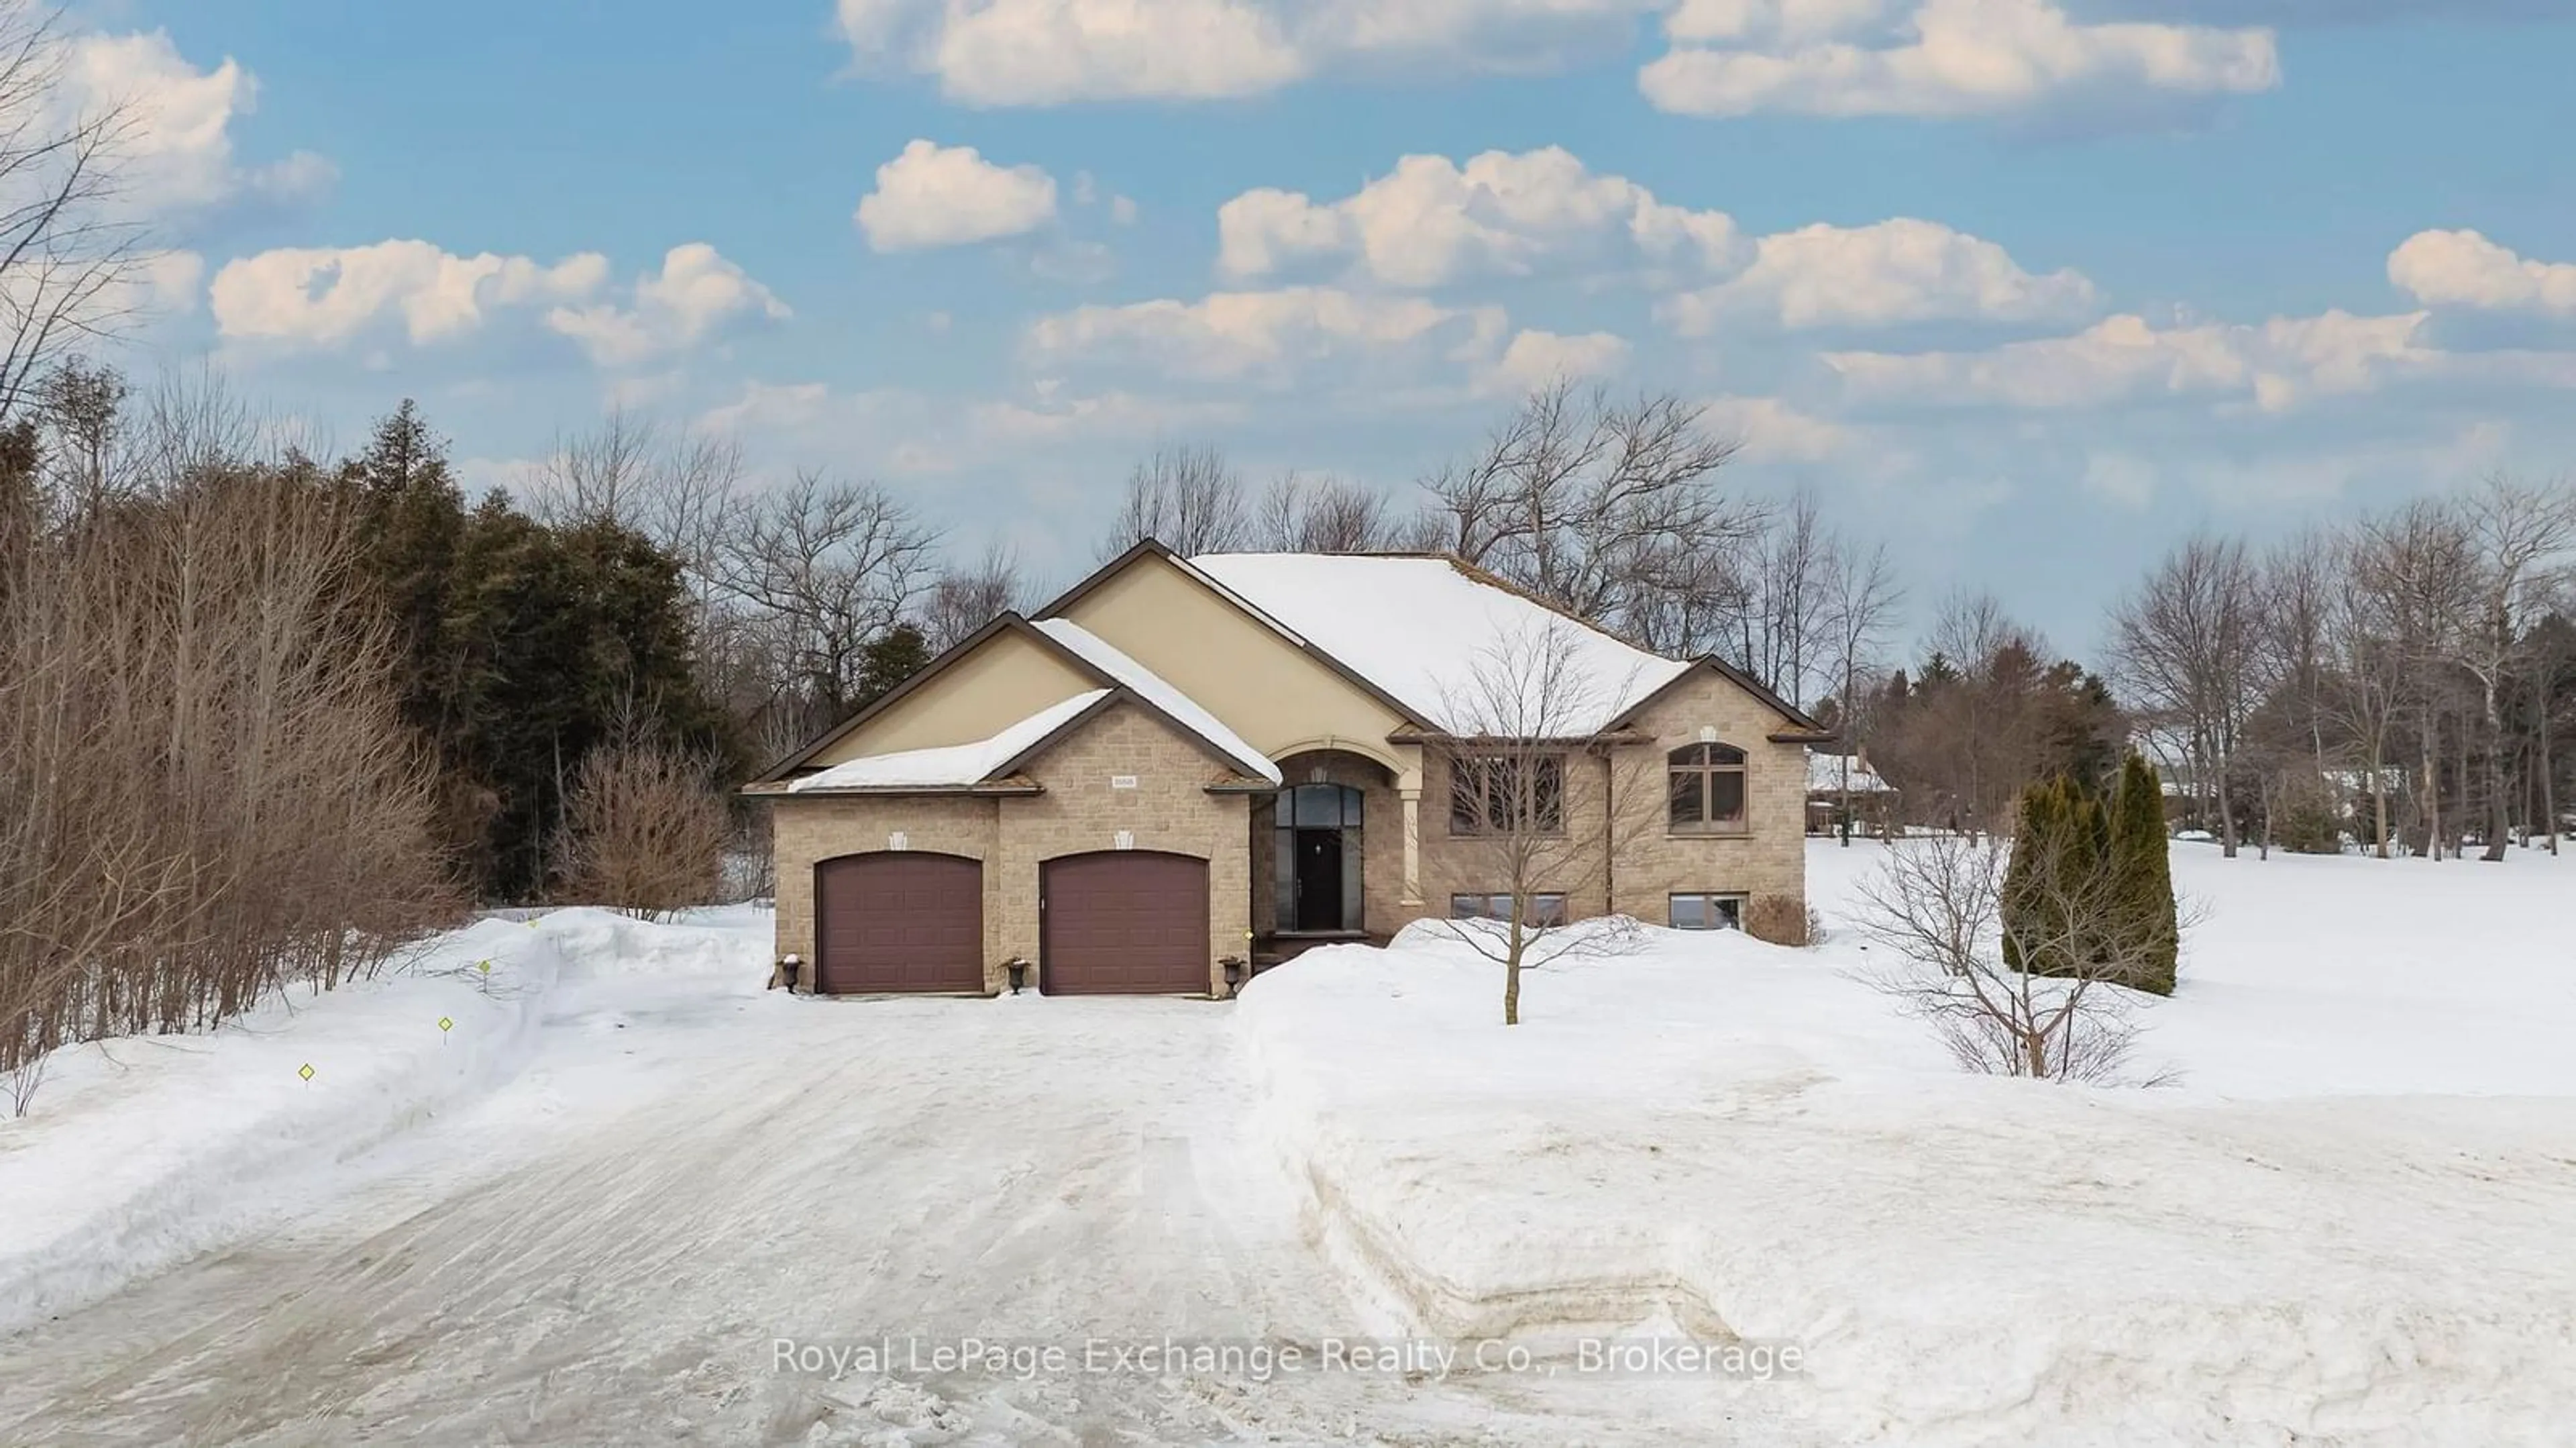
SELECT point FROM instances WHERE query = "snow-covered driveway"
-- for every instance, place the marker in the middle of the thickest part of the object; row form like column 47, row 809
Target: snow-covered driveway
column 605, row 1249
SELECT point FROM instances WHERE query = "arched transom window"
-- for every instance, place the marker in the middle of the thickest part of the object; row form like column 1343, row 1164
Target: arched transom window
column 1707, row 788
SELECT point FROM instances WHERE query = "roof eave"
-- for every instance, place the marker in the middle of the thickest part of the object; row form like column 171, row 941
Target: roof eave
column 980, row 787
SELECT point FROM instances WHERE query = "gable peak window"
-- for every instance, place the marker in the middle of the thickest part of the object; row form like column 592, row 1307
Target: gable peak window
column 1707, row 789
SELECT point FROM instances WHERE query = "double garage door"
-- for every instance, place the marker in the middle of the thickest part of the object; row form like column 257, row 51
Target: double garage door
column 1123, row 922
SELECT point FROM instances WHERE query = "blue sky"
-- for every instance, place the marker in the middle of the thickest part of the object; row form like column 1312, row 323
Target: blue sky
column 2028, row 288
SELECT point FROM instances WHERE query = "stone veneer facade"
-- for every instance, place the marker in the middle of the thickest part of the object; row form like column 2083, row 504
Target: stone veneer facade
column 1078, row 812
column 1619, row 795
column 1616, row 795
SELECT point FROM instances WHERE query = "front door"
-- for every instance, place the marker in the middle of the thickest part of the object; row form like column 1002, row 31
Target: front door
column 1318, row 858
column 1319, row 879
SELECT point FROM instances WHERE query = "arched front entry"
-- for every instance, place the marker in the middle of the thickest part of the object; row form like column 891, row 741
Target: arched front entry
column 1123, row 922
column 898, row 920
column 1318, row 851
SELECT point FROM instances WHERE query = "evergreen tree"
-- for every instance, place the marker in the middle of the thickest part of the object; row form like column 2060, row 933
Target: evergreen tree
column 414, row 520
column 888, row 660
column 2146, row 874
column 2060, row 849
column 2020, row 904
column 2089, row 890
column 524, row 647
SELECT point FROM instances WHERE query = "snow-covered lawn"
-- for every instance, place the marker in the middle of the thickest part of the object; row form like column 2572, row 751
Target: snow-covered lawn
column 143, row 1151
column 587, row 1210
column 2347, row 1222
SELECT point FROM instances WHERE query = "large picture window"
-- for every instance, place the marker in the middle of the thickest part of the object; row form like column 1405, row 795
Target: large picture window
column 1707, row 789
column 1507, row 794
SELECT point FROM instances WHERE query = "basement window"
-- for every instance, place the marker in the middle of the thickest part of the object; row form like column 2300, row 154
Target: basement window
column 1544, row 910
column 1707, row 912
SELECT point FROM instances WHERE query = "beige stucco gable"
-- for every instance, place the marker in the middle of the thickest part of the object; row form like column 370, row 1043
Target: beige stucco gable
column 1003, row 680
column 1279, row 698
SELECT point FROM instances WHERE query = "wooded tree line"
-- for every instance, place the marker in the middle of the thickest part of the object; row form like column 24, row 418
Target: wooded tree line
column 2407, row 680
column 211, row 788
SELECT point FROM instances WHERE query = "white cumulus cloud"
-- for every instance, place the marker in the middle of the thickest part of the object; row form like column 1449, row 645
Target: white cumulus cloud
column 933, row 195
column 1944, row 58
column 1261, row 336
column 1050, row 52
column 1046, row 52
column 2465, row 269
column 2275, row 364
column 1535, row 359
column 1903, row 270
column 1431, row 221
column 1315, row 337
column 1773, row 431
column 324, row 296
column 317, row 298
column 696, row 295
column 175, row 152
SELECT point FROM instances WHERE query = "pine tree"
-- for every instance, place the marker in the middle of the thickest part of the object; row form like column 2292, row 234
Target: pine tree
column 888, row 660
column 525, row 647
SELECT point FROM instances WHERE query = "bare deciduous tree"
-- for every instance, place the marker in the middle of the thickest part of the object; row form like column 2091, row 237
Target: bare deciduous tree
column 2186, row 647
column 1189, row 499
column 68, row 254
column 1938, row 905
column 646, row 831
column 1538, row 804
column 1303, row 514
column 2366, row 677
column 1861, row 599
column 212, row 792
column 2521, row 538
column 1785, row 632
column 2419, row 562
column 826, row 568
column 1606, row 509
column 966, row 597
column 676, row 490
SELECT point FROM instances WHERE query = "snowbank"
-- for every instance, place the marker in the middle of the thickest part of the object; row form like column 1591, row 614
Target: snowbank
column 2347, row 1223
column 143, row 1151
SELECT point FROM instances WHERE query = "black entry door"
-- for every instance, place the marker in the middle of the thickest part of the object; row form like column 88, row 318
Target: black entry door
column 1319, row 879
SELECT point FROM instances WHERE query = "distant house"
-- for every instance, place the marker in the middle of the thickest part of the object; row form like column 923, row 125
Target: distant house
column 1182, row 761
column 1835, row 778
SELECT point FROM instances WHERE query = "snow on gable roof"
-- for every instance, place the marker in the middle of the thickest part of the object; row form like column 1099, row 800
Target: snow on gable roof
column 1461, row 653
column 952, row 764
column 1152, row 688
column 1825, row 774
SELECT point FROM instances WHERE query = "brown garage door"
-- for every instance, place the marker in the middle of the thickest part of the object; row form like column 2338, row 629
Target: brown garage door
column 898, row 921
column 1128, row 922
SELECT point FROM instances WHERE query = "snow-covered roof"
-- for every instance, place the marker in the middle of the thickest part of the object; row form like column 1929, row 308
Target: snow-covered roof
column 1825, row 774
column 1460, row 653
column 951, row 763
column 1151, row 687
